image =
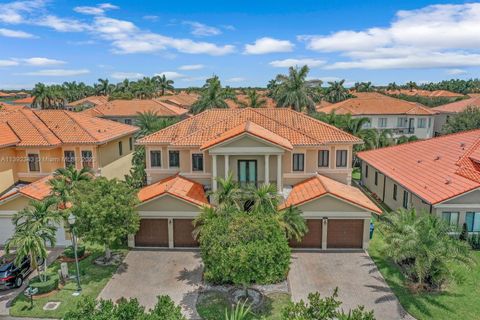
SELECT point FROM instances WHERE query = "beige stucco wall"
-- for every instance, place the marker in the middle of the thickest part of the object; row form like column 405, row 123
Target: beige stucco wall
column 167, row 206
column 16, row 204
column 330, row 206
column 108, row 153
column 421, row 133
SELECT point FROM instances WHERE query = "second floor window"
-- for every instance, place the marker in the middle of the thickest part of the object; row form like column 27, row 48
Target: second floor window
column 401, row 122
column 405, row 199
column 376, row 178
column 69, row 157
column 120, row 148
column 197, row 162
column 130, row 143
column 174, row 159
column 323, row 158
column 156, row 158
column 395, row 192
column 298, row 161
column 87, row 159
column 366, row 171
column 33, row 162
column 382, row 122
column 422, row 123
column 341, row 158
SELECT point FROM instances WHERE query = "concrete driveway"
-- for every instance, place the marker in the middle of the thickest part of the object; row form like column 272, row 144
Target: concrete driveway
column 146, row 274
column 354, row 273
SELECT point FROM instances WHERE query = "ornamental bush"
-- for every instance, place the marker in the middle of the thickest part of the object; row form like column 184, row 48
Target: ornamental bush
column 49, row 283
column 70, row 253
column 244, row 248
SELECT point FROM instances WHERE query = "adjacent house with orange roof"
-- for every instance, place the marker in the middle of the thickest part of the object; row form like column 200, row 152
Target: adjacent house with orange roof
column 439, row 175
column 425, row 93
column 126, row 111
column 27, row 101
column 182, row 99
column 86, row 103
column 400, row 116
column 444, row 112
column 309, row 162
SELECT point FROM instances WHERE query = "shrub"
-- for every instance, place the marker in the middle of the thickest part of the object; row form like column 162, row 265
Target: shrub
column 464, row 234
column 474, row 241
column 50, row 283
column 70, row 253
column 244, row 248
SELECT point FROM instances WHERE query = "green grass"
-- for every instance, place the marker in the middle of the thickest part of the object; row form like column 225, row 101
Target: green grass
column 212, row 306
column 356, row 174
column 457, row 301
column 93, row 279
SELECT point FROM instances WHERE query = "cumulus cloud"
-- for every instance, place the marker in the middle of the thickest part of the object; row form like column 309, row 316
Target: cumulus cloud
column 236, row 79
column 436, row 36
column 127, row 75
column 56, row 72
column 202, row 30
column 151, row 18
column 15, row 34
column 191, row 67
column 172, row 75
column 8, row 63
column 98, row 10
column 268, row 45
column 296, row 62
column 39, row 61
column 456, row 71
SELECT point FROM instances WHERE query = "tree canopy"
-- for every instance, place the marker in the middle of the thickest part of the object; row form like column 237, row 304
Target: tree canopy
column 468, row 119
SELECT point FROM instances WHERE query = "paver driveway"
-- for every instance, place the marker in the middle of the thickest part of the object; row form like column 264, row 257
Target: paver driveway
column 146, row 274
column 354, row 273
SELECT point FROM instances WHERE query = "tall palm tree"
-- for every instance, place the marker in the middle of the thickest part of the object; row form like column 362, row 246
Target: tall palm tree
column 411, row 85
column 392, row 86
column 228, row 193
column 103, row 87
column 212, row 96
column 149, row 122
column 40, row 96
column 292, row 221
column 294, row 91
column 37, row 214
column 336, row 92
column 164, row 84
column 255, row 100
column 375, row 139
column 63, row 182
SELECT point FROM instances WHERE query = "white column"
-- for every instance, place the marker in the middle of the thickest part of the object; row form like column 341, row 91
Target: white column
column 267, row 168
column 324, row 233
column 227, row 163
column 171, row 244
column 279, row 172
column 214, row 172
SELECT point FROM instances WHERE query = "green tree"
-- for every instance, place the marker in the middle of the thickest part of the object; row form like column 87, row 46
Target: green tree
column 411, row 85
column 336, row 92
column 105, row 211
column 103, row 87
column 468, row 119
column 295, row 91
column 392, row 86
column 150, row 122
column 254, row 100
column 375, row 139
column 163, row 84
column 212, row 96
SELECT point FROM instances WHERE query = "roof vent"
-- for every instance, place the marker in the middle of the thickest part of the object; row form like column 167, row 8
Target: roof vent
column 462, row 145
column 437, row 158
column 419, row 161
column 448, row 180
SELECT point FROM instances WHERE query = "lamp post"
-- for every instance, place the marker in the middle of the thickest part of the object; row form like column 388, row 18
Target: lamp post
column 71, row 221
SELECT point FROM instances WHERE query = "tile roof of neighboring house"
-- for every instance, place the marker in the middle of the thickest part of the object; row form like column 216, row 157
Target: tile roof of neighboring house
column 4, row 107
column 373, row 103
column 176, row 186
column 249, row 128
column 182, row 99
column 436, row 169
column 96, row 100
column 5, row 95
column 54, row 127
column 7, row 136
column 37, row 190
column 425, row 93
column 319, row 185
column 131, row 108
column 243, row 98
column 299, row 129
column 322, row 104
column 458, row 106
column 27, row 100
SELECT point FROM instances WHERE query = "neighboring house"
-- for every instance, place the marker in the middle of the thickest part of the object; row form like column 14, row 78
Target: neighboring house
column 33, row 144
column 425, row 93
column 444, row 112
column 440, row 175
column 243, row 98
column 86, row 103
column 28, row 101
column 126, row 111
column 400, row 116
column 182, row 99
column 309, row 162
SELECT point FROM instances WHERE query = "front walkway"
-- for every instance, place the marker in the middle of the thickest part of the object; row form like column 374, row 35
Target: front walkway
column 146, row 274
column 354, row 273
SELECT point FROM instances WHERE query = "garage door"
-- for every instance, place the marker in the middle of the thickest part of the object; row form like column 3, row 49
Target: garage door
column 6, row 230
column 182, row 233
column 152, row 233
column 313, row 239
column 345, row 233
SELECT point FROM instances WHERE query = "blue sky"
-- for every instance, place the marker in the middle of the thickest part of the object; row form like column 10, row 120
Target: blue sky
column 244, row 42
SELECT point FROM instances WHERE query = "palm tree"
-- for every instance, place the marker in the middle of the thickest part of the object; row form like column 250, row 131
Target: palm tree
column 149, row 122
column 212, row 96
column 163, row 83
column 375, row 139
column 103, row 87
column 411, row 85
column 336, row 92
column 40, row 95
column 293, row 223
column 254, row 100
column 295, row 92
column 392, row 86
column 63, row 182
column 38, row 214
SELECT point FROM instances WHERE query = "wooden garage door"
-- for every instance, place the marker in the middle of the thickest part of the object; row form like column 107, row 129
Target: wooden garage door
column 313, row 239
column 182, row 233
column 152, row 233
column 345, row 233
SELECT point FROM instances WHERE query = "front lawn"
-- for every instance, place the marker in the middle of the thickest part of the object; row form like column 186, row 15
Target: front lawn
column 93, row 279
column 458, row 301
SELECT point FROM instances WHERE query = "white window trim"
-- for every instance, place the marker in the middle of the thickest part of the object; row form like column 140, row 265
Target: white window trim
column 191, row 162
column 329, row 156
column 150, row 160
column 336, row 167
column 168, row 160
column 304, row 161
column 80, row 164
column 34, row 151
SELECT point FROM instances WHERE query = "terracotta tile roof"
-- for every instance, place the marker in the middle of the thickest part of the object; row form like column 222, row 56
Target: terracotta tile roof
column 28, row 100
column 96, row 100
column 176, row 186
column 269, row 102
column 436, row 169
column 425, row 93
column 6, row 95
column 54, row 127
column 131, row 108
column 298, row 128
column 373, row 103
column 7, row 136
column 319, row 186
column 37, row 190
column 182, row 99
column 322, row 104
column 4, row 107
column 458, row 106
column 253, row 129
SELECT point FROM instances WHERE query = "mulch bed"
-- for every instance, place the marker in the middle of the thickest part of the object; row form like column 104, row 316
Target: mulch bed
column 67, row 259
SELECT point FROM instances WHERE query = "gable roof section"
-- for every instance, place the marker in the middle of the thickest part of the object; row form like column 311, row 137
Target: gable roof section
column 176, row 186
column 298, row 128
column 37, row 190
column 27, row 100
column 182, row 99
column 459, row 106
column 373, row 103
column 131, row 108
column 436, row 169
column 95, row 100
column 319, row 186
column 253, row 129
column 7, row 136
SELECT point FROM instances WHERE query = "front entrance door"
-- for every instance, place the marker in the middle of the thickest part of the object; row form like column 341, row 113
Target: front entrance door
column 411, row 125
column 247, row 172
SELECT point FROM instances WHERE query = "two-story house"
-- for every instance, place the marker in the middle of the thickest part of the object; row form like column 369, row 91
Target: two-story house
column 402, row 118
column 33, row 144
column 309, row 161
column 449, row 110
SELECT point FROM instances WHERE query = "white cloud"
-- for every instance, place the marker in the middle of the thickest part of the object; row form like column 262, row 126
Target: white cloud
column 236, row 79
column 151, row 18
column 172, row 75
column 8, row 63
column 15, row 34
column 13, row 12
column 296, row 62
column 62, row 24
column 436, row 36
column 98, row 10
column 56, row 72
column 456, row 71
column 126, row 75
column 107, row 6
column 191, row 67
column 268, row 45
column 39, row 61
column 202, row 30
